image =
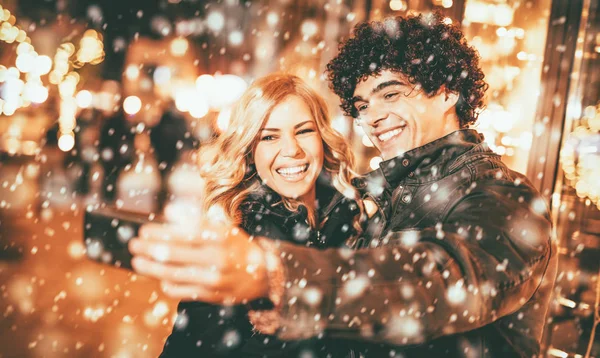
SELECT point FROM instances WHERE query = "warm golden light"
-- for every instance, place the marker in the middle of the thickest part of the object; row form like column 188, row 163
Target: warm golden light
column 215, row 21
column 204, row 83
column 477, row 11
column 84, row 99
column 580, row 158
column 132, row 105
column 66, row 141
column 91, row 49
column 184, row 98
column 501, row 31
column 398, row 5
column 179, row 46
column 236, row 38
column 374, row 162
column 366, row 141
column 502, row 121
column 503, row 15
column 132, row 72
column 3, row 73
column 225, row 90
column 199, row 108
column 272, row 19
column 447, row 3
column 35, row 92
column 25, row 62
column 309, row 28
column 43, row 65
column 522, row 56
column 223, row 120
column 24, row 47
column 160, row 309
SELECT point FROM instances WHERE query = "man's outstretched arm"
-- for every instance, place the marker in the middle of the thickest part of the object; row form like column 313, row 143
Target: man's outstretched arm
column 483, row 262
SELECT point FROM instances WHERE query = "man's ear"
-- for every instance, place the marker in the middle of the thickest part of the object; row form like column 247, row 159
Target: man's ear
column 447, row 100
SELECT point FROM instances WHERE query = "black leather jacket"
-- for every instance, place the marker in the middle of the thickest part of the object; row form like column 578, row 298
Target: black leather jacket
column 204, row 330
column 459, row 262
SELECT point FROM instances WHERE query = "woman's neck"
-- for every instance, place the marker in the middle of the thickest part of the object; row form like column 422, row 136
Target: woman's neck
column 309, row 199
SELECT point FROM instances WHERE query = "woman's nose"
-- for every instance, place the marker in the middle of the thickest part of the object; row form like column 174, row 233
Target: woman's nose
column 290, row 147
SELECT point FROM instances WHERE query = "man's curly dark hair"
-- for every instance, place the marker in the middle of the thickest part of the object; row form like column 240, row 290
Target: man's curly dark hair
column 428, row 51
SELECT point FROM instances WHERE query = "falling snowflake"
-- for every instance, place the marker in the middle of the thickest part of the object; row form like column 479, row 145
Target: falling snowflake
column 456, row 294
column 376, row 185
column 354, row 288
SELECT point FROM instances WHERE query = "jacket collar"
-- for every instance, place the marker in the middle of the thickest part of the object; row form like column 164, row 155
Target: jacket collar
column 327, row 198
column 432, row 160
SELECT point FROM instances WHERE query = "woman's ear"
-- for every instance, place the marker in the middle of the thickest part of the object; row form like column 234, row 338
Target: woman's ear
column 249, row 159
column 250, row 170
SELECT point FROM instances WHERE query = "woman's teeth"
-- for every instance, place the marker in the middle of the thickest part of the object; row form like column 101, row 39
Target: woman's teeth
column 388, row 135
column 292, row 171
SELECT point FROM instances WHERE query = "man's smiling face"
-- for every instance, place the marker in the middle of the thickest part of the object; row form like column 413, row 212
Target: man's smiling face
column 397, row 117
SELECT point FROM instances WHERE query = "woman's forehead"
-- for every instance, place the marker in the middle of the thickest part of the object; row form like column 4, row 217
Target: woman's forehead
column 289, row 113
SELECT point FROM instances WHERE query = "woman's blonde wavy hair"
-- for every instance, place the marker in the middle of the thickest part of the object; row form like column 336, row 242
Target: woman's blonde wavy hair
column 226, row 162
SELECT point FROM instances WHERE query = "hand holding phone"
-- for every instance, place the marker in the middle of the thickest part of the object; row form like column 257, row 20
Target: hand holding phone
column 107, row 232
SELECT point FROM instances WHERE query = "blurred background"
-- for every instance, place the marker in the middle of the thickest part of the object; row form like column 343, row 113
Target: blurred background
column 105, row 102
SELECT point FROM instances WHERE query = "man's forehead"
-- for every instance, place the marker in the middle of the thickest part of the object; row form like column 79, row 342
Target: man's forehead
column 365, row 86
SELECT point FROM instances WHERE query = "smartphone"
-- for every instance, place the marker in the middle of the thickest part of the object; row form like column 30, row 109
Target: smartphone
column 107, row 232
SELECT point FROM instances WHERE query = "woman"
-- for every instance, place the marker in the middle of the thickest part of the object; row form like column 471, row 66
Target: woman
column 278, row 171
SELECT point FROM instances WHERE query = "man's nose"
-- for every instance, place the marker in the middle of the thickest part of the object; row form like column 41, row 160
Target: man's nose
column 375, row 118
column 290, row 147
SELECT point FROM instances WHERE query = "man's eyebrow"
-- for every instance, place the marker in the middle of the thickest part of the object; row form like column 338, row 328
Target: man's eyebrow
column 380, row 87
column 356, row 99
column 295, row 127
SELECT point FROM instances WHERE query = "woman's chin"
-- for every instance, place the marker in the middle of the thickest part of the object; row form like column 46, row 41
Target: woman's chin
column 293, row 191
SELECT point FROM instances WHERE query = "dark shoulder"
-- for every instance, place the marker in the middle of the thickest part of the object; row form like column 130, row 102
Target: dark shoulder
column 268, row 217
column 372, row 184
column 493, row 171
column 338, row 221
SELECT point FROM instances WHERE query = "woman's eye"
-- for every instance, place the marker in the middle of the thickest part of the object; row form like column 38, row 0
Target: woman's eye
column 362, row 107
column 308, row 130
column 268, row 138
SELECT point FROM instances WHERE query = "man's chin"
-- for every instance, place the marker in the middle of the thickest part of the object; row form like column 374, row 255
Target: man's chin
column 392, row 153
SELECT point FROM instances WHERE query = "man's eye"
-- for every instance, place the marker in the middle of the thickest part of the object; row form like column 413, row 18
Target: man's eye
column 362, row 107
column 390, row 95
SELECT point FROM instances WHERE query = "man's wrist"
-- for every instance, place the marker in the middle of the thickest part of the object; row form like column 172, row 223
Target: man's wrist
column 267, row 321
column 274, row 269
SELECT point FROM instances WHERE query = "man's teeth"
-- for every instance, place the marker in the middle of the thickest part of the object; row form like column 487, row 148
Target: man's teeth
column 387, row 135
column 293, row 170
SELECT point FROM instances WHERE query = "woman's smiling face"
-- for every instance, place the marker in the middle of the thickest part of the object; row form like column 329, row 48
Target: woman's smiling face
column 289, row 154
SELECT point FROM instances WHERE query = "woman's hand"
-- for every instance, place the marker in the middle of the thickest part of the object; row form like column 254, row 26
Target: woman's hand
column 212, row 262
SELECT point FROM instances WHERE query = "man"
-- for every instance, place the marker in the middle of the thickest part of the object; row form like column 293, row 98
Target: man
column 457, row 262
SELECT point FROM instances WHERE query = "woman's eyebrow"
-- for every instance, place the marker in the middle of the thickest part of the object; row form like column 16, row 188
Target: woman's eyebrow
column 303, row 123
column 295, row 127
